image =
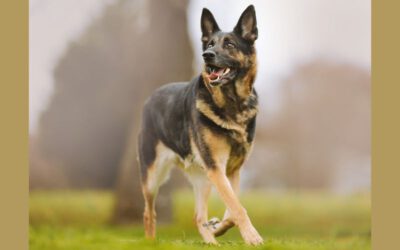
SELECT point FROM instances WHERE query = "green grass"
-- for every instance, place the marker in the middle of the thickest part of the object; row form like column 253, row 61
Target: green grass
column 320, row 221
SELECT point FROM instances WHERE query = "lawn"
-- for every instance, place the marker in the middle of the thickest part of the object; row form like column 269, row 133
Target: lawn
column 310, row 220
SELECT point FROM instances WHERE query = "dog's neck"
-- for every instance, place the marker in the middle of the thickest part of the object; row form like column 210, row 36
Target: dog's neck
column 234, row 101
column 237, row 92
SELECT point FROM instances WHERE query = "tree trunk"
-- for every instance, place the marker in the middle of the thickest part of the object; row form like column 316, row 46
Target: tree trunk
column 168, row 57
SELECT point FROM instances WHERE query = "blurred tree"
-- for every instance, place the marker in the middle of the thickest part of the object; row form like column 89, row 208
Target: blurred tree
column 323, row 122
column 43, row 172
column 92, row 121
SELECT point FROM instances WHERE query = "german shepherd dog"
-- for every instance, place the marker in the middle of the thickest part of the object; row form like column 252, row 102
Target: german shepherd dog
column 205, row 127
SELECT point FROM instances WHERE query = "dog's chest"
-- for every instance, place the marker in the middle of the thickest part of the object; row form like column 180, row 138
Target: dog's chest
column 239, row 135
column 234, row 157
column 238, row 155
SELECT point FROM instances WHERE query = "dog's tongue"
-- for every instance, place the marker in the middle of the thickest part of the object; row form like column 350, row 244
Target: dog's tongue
column 214, row 75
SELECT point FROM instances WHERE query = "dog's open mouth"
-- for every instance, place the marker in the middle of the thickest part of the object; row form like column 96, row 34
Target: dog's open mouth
column 217, row 74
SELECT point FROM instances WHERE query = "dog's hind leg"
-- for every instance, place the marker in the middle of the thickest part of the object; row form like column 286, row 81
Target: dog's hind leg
column 155, row 175
column 202, row 188
column 149, row 215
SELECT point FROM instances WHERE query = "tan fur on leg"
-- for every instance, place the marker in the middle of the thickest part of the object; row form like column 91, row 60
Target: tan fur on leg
column 202, row 190
column 227, row 222
column 157, row 174
column 237, row 211
column 149, row 215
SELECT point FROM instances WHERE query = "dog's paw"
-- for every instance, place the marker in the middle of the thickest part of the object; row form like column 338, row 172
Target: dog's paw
column 211, row 242
column 251, row 236
column 222, row 227
column 206, row 231
column 212, row 224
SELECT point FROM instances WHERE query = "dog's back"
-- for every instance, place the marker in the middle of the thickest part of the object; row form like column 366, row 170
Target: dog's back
column 165, row 120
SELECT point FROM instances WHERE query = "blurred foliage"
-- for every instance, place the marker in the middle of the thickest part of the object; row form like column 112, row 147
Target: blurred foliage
column 87, row 136
column 100, row 84
column 70, row 207
column 306, row 220
column 319, row 136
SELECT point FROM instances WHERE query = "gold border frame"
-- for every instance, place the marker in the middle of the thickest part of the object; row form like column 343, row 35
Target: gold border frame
column 14, row 126
column 385, row 124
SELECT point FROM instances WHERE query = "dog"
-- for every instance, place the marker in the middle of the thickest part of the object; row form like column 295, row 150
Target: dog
column 206, row 127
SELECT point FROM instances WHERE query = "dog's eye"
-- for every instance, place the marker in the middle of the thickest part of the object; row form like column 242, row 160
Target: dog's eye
column 210, row 45
column 230, row 45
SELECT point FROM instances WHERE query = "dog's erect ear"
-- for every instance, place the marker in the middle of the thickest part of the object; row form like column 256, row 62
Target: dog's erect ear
column 247, row 25
column 208, row 25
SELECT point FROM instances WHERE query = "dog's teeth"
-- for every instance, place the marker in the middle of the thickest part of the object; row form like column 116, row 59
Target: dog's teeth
column 226, row 71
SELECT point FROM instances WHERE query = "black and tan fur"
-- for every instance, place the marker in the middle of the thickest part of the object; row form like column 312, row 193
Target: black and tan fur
column 206, row 127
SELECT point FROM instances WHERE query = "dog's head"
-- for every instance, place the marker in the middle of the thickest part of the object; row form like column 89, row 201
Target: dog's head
column 228, row 55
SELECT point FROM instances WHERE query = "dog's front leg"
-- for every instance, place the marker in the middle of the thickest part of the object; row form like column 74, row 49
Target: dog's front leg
column 237, row 211
column 227, row 221
column 202, row 188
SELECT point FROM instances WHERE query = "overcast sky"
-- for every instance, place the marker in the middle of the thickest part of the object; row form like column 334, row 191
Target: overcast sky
column 290, row 32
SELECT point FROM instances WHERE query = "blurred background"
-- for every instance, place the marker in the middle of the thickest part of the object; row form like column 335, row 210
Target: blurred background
column 93, row 63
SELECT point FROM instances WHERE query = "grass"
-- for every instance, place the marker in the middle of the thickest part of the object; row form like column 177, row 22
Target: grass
column 320, row 221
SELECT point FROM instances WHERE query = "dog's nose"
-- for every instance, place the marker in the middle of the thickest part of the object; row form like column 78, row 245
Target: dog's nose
column 208, row 55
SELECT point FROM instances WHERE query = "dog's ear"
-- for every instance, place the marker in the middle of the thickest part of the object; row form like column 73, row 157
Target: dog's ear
column 247, row 25
column 208, row 25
